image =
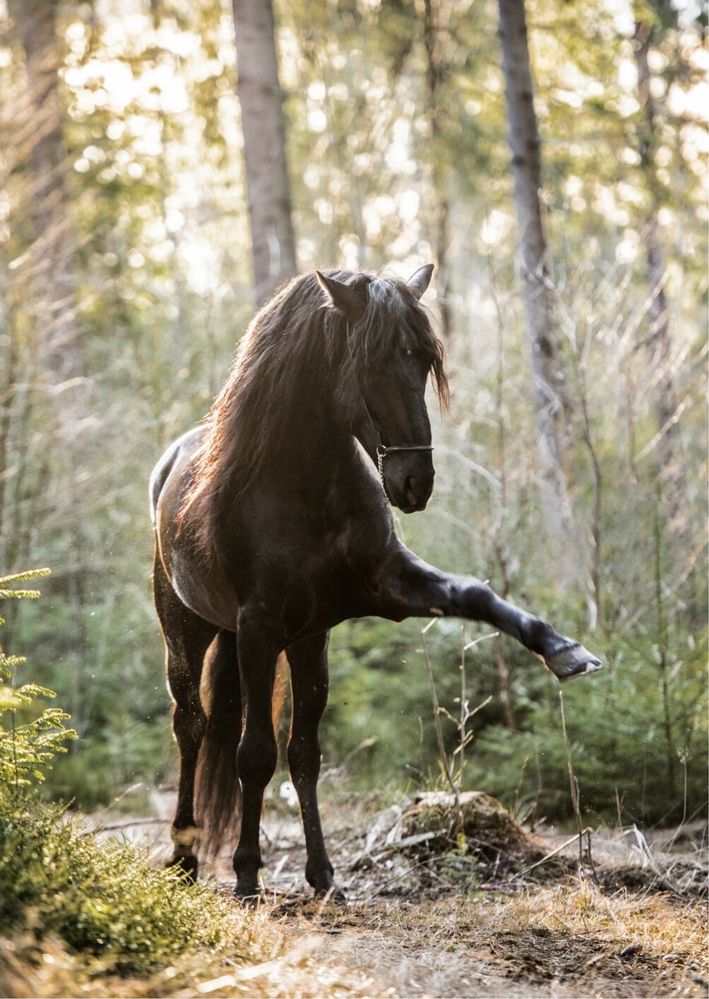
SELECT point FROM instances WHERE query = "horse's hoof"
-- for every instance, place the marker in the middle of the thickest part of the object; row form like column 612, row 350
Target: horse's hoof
column 331, row 896
column 188, row 866
column 250, row 898
column 571, row 661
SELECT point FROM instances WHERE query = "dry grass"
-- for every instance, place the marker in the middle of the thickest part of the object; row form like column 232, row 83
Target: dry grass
column 282, row 963
column 656, row 923
column 433, row 933
column 584, row 942
column 571, row 936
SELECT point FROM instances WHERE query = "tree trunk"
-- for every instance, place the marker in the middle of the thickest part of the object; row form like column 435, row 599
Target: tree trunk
column 659, row 339
column 272, row 240
column 50, row 259
column 434, row 78
column 549, row 393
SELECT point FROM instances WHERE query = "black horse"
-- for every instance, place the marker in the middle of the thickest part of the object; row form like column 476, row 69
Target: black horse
column 273, row 524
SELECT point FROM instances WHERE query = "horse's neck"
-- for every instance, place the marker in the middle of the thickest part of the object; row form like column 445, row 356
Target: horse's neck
column 319, row 457
column 311, row 447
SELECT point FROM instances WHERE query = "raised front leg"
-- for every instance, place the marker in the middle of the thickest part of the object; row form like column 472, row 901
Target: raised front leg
column 309, row 681
column 256, row 756
column 409, row 587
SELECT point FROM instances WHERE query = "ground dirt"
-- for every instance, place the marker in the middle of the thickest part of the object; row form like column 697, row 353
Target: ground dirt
column 463, row 914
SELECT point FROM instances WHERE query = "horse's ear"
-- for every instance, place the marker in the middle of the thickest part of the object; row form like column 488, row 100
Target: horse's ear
column 420, row 280
column 344, row 297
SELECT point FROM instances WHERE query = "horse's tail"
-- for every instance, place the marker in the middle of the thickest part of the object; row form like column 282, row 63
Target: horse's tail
column 217, row 787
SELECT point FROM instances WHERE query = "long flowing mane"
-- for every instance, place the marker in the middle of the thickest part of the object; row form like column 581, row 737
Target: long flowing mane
column 298, row 344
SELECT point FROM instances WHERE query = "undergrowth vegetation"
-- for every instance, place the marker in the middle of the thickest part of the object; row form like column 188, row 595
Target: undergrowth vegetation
column 101, row 898
column 639, row 755
column 637, row 731
column 96, row 897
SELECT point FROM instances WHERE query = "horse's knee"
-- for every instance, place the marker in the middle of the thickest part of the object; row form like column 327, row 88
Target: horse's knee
column 256, row 758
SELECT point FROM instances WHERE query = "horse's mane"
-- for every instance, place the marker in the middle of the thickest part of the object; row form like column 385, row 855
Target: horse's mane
column 298, row 347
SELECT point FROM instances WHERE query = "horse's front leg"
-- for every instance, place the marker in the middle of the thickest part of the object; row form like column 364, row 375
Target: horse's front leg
column 409, row 587
column 257, row 754
column 309, row 682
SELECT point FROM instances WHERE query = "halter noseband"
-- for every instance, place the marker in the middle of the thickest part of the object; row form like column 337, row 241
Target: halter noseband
column 383, row 451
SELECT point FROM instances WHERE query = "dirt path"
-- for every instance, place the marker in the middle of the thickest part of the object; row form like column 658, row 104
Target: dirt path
column 443, row 949
column 414, row 929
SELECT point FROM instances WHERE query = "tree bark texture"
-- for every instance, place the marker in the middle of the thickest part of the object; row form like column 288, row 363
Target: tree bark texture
column 51, row 274
column 434, row 78
column 260, row 96
column 659, row 338
column 549, row 393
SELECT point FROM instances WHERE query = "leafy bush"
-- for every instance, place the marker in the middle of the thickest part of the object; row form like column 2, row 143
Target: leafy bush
column 635, row 744
column 637, row 731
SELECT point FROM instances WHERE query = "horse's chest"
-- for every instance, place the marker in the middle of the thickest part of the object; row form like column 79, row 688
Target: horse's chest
column 316, row 574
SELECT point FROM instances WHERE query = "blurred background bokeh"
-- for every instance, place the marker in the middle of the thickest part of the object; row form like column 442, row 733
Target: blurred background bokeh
column 127, row 278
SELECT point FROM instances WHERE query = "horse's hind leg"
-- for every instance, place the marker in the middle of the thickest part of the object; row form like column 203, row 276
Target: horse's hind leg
column 187, row 638
column 309, row 681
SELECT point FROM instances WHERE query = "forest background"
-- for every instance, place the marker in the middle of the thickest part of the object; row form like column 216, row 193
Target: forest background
column 571, row 475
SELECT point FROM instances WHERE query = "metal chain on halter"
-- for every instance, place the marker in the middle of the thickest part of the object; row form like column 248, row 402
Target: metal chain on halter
column 383, row 451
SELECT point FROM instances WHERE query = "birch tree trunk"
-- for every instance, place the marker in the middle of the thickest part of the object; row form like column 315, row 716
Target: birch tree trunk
column 260, row 96
column 659, row 338
column 549, row 393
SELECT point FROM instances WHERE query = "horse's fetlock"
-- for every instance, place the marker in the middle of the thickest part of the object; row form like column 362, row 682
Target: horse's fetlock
column 185, row 838
column 320, row 875
column 247, row 863
column 544, row 639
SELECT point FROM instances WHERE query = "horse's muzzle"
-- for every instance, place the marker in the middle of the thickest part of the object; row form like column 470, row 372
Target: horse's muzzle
column 417, row 492
column 411, row 494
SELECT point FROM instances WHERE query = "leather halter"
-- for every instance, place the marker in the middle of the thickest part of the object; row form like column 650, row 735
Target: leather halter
column 383, row 450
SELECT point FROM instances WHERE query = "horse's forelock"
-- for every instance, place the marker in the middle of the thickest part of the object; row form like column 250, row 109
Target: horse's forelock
column 395, row 318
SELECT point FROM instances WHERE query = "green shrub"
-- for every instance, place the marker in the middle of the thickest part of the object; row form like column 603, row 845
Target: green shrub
column 30, row 735
column 633, row 744
column 101, row 898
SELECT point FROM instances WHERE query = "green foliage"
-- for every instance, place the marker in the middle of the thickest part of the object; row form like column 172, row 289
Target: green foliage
column 638, row 730
column 102, row 898
column 156, row 211
column 30, row 736
column 98, row 897
column 632, row 749
column 380, row 705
